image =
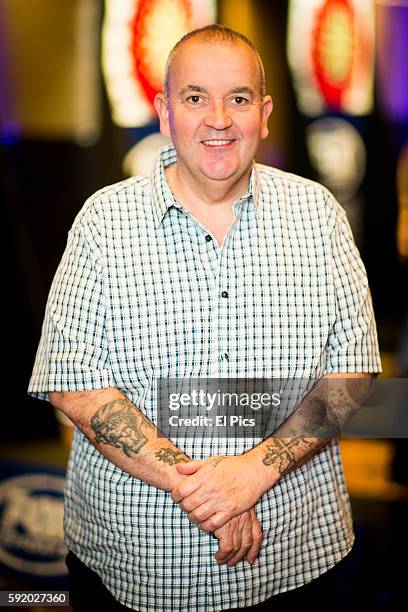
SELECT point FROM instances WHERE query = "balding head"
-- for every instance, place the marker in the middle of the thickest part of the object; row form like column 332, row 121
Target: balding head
column 210, row 34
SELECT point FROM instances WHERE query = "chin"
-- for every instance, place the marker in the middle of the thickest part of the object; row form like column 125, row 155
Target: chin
column 220, row 175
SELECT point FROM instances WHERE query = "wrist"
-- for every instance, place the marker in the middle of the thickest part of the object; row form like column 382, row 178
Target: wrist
column 173, row 479
column 167, row 457
column 265, row 475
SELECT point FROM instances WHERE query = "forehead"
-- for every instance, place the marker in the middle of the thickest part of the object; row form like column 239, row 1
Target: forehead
column 214, row 65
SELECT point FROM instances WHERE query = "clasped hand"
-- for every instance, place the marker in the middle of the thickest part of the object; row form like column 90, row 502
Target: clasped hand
column 214, row 497
column 217, row 489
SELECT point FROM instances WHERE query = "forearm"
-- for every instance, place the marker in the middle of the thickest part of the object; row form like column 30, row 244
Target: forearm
column 123, row 434
column 127, row 438
column 318, row 419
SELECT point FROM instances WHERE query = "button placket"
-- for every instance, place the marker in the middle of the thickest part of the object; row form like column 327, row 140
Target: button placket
column 220, row 356
column 223, row 304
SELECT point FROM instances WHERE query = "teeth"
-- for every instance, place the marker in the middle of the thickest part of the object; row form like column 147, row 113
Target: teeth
column 214, row 143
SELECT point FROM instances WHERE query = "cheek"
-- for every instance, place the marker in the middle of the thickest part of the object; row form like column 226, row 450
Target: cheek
column 183, row 126
column 251, row 130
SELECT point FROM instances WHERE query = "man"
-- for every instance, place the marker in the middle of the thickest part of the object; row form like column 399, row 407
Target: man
column 212, row 267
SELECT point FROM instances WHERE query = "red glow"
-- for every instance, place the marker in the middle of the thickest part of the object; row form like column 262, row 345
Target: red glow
column 333, row 50
column 140, row 43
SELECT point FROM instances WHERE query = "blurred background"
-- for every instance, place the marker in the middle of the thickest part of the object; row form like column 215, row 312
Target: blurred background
column 77, row 80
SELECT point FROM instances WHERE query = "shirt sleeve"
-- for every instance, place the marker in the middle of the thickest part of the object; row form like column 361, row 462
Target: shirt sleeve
column 352, row 344
column 73, row 354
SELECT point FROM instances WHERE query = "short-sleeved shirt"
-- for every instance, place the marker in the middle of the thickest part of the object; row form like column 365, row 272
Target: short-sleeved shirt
column 144, row 291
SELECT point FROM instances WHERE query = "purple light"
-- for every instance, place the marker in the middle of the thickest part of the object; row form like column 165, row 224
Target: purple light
column 392, row 54
column 9, row 126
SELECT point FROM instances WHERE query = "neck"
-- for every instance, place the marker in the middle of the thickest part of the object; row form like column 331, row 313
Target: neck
column 208, row 193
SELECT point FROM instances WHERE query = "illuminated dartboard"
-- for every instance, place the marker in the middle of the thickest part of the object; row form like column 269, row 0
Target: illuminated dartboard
column 331, row 55
column 158, row 25
column 333, row 49
column 137, row 37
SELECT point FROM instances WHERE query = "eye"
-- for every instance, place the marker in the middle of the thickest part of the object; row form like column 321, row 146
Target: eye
column 239, row 100
column 194, row 99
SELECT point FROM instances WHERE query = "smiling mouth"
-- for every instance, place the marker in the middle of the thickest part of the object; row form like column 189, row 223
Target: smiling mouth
column 217, row 143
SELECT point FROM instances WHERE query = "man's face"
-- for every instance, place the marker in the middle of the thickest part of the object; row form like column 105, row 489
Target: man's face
column 215, row 115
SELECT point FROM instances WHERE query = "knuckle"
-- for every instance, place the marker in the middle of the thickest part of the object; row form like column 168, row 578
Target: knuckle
column 191, row 505
column 199, row 514
column 233, row 507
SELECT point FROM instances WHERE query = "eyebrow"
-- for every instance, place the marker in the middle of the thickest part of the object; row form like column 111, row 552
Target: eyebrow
column 192, row 88
column 234, row 90
column 243, row 89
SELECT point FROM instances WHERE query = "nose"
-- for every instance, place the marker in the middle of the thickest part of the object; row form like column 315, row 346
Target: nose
column 217, row 115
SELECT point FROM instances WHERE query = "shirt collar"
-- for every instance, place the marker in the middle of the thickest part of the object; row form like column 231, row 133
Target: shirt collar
column 162, row 196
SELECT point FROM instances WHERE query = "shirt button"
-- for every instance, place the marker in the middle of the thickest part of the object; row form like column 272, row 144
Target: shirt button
column 226, row 356
column 224, row 294
column 208, row 238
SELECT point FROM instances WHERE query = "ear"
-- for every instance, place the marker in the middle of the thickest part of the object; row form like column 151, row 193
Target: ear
column 161, row 106
column 267, row 106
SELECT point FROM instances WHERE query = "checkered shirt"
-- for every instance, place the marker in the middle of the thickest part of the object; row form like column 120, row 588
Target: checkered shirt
column 137, row 296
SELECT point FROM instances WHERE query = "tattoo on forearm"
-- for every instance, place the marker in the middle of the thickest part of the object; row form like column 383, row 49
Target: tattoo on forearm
column 321, row 416
column 118, row 424
column 329, row 407
column 317, row 419
column 314, row 415
column 170, row 456
column 341, row 406
column 280, row 452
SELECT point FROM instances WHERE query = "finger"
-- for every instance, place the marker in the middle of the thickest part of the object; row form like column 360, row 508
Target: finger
column 194, row 501
column 239, row 555
column 242, row 540
column 226, row 557
column 226, row 551
column 202, row 515
column 188, row 486
column 257, row 537
column 237, row 533
column 215, row 521
column 225, row 544
column 191, row 467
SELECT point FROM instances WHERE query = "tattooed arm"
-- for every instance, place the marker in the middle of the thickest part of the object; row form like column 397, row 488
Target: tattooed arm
column 322, row 415
column 123, row 434
column 127, row 438
column 220, row 488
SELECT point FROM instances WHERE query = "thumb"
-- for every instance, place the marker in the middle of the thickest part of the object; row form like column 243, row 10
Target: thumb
column 189, row 468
